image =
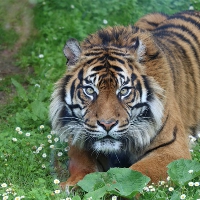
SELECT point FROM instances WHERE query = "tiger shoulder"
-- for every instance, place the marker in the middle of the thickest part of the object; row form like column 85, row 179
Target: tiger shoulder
column 130, row 96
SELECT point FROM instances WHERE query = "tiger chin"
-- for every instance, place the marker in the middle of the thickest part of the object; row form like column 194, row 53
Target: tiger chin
column 130, row 96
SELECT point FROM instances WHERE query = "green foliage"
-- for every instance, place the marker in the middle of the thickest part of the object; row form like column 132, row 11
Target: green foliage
column 116, row 181
column 182, row 171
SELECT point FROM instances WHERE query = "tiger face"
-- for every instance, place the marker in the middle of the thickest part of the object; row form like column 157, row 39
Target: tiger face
column 106, row 102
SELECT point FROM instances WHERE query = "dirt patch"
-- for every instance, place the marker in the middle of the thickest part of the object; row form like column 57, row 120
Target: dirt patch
column 18, row 17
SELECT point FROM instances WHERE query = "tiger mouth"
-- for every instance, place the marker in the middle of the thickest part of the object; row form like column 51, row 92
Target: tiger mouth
column 107, row 138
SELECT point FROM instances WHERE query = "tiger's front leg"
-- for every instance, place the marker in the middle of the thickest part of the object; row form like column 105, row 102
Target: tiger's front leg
column 154, row 164
column 80, row 164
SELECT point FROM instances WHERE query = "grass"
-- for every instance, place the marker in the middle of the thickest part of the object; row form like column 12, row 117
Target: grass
column 26, row 137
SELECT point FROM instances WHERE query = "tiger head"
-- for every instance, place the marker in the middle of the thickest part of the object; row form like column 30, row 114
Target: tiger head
column 106, row 102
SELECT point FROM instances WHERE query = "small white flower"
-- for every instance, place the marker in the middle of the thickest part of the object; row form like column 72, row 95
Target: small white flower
column 60, row 154
column 39, row 148
column 191, row 150
column 44, row 155
column 151, row 186
column 105, row 21
column 17, row 198
column 146, row 189
column 22, row 197
column 196, row 184
column 68, row 198
column 114, row 197
column 57, row 191
column 4, row 185
column 90, row 198
column 41, row 126
column 28, row 134
column 72, row 6
column 67, row 148
column 52, row 146
column 183, row 196
column 171, row 189
column 53, row 133
column 191, row 8
column 198, row 135
column 49, row 136
column 162, row 182
column 168, row 178
column 56, row 139
column 152, row 190
column 41, row 56
column 5, row 197
column 20, row 132
column 18, row 129
column 190, row 171
column 9, row 190
column 37, row 85
column 49, row 141
column 56, row 181
column 66, row 140
column 191, row 184
column 43, row 166
column 14, row 139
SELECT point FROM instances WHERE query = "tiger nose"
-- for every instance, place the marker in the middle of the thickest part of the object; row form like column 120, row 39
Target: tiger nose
column 107, row 124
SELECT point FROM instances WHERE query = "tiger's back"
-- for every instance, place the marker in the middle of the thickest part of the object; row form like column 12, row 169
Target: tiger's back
column 179, row 39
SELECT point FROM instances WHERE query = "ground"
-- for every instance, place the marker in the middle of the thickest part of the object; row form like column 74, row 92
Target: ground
column 18, row 18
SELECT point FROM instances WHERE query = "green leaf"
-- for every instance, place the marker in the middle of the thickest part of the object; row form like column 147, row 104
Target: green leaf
column 179, row 171
column 127, row 182
column 76, row 198
column 92, row 181
column 176, row 195
column 123, row 182
column 20, row 90
column 97, row 194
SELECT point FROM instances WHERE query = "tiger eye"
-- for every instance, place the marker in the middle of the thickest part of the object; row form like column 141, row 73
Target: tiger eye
column 124, row 91
column 90, row 90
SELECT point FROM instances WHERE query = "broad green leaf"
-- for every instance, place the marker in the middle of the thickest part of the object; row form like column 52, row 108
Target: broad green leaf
column 96, row 194
column 126, row 182
column 179, row 171
column 123, row 182
column 92, row 181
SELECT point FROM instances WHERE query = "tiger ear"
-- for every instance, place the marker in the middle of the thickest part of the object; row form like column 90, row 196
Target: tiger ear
column 72, row 51
column 139, row 49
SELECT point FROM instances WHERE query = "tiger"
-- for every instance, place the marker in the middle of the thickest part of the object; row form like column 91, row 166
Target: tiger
column 130, row 96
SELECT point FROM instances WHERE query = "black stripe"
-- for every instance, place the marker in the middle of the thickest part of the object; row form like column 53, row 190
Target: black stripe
column 93, row 53
column 98, row 68
column 183, row 38
column 65, row 81
column 139, row 105
column 187, row 19
column 164, row 144
column 74, row 106
column 153, row 56
column 91, row 60
column 138, row 87
column 152, row 23
column 148, row 88
column 180, row 27
column 116, row 68
column 72, row 89
column 80, row 75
